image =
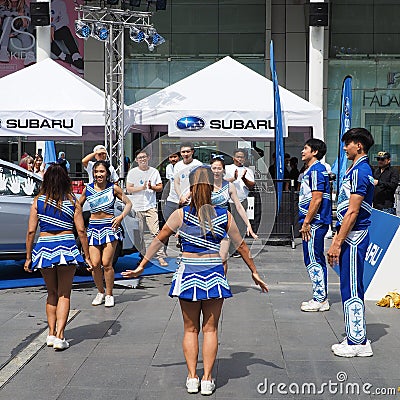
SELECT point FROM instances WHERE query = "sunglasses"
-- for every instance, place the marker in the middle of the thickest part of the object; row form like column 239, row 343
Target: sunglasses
column 381, row 158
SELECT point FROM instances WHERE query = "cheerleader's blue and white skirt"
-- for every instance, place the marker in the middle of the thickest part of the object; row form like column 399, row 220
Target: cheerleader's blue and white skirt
column 100, row 232
column 51, row 251
column 200, row 279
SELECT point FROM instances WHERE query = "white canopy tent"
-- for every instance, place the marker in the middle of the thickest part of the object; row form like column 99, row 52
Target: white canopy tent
column 224, row 100
column 47, row 100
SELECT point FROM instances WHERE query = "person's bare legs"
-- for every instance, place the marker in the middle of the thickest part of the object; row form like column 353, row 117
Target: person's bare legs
column 97, row 273
column 211, row 312
column 59, row 282
column 65, row 276
column 191, row 326
column 106, row 261
column 50, row 278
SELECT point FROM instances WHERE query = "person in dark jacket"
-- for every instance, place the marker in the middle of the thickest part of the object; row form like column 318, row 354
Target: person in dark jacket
column 386, row 179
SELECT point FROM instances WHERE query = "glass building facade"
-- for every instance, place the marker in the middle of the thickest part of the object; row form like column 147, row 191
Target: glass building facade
column 197, row 33
column 364, row 42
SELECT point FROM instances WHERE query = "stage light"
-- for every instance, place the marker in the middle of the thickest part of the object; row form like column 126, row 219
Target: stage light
column 100, row 32
column 137, row 35
column 82, row 30
column 154, row 39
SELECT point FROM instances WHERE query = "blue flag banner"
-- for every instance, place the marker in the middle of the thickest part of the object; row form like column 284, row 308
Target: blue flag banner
column 340, row 165
column 49, row 155
column 279, row 148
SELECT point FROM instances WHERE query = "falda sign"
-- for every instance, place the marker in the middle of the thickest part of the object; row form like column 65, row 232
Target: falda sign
column 217, row 126
column 381, row 98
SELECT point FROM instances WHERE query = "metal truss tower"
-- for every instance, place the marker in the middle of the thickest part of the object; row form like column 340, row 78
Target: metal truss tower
column 116, row 21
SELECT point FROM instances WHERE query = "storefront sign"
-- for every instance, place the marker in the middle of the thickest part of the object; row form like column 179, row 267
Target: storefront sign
column 381, row 98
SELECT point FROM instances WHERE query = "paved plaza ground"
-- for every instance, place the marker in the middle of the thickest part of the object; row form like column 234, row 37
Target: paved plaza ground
column 133, row 351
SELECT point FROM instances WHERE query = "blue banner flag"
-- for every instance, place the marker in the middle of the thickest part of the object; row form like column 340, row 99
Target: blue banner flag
column 340, row 165
column 49, row 155
column 279, row 148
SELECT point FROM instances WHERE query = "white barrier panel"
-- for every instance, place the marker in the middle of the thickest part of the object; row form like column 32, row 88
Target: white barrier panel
column 382, row 263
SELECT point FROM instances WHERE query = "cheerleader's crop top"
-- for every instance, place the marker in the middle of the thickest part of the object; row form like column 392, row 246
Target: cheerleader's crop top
column 50, row 217
column 192, row 238
column 221, row 197
column 102, row 201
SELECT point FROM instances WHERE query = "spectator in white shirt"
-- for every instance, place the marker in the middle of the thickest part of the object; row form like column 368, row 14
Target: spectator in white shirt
column 179, row 193
column 243, row 179
column 99, row 153
column 142, row 182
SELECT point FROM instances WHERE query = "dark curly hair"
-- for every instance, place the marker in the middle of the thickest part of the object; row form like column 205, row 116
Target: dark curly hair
column 57, row 185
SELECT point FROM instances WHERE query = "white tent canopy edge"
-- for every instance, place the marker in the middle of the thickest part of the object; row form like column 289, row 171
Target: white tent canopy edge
column 46, row 99
column 225, row 100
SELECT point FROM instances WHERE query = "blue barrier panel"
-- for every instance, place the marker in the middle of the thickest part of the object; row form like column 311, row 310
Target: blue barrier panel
column 381, row 233
column 12, row 274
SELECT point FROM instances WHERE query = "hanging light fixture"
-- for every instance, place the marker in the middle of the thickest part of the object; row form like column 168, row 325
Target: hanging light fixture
column 154, row 39
column 100, row 31
column 137, row 35
column 82, row 30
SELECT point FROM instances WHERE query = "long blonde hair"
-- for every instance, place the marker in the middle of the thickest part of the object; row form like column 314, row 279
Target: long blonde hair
column 201, row 186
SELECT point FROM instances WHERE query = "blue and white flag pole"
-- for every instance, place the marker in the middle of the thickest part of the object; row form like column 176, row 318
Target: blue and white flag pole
column 340, row 165
column 279, row 148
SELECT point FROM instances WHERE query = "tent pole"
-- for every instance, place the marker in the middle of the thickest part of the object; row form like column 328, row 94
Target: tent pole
column 43, row 40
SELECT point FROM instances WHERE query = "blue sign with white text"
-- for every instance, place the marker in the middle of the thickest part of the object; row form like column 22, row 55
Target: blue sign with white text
column 381, row 233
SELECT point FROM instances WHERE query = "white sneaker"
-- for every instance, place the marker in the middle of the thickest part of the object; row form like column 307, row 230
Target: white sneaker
column 29, row 58
column 99, row 299
column 50, row 340
column 303, row 303
column 109, row 301
column 192, row 385
column 60, row 344
column 336, row 345
column 313, row 306
column 207, row 387
column 356, row 350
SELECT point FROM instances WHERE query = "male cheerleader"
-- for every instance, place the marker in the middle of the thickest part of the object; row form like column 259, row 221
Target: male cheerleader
column 315, row 216
column 350, row 242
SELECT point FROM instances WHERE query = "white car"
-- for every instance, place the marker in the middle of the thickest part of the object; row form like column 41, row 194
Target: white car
column 18, row 187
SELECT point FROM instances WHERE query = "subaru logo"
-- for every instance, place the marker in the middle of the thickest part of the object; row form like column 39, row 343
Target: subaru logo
column 190, row 123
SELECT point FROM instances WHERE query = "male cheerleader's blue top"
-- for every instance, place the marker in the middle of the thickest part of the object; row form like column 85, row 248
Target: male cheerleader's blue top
column 54, row 250
column 315, row 178
column 201, row 278
column 221, row 197
column 357, row 180
column 100, row 231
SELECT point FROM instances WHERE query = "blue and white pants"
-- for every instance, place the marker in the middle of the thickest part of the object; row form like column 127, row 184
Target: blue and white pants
column 351, row 264
column 314, row 259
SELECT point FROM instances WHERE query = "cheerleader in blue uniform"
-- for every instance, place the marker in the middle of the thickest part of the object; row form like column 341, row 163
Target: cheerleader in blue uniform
column 55, row 254
column 104, row 229
column 222, row 193
column 200, row 282
column 350, row 243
